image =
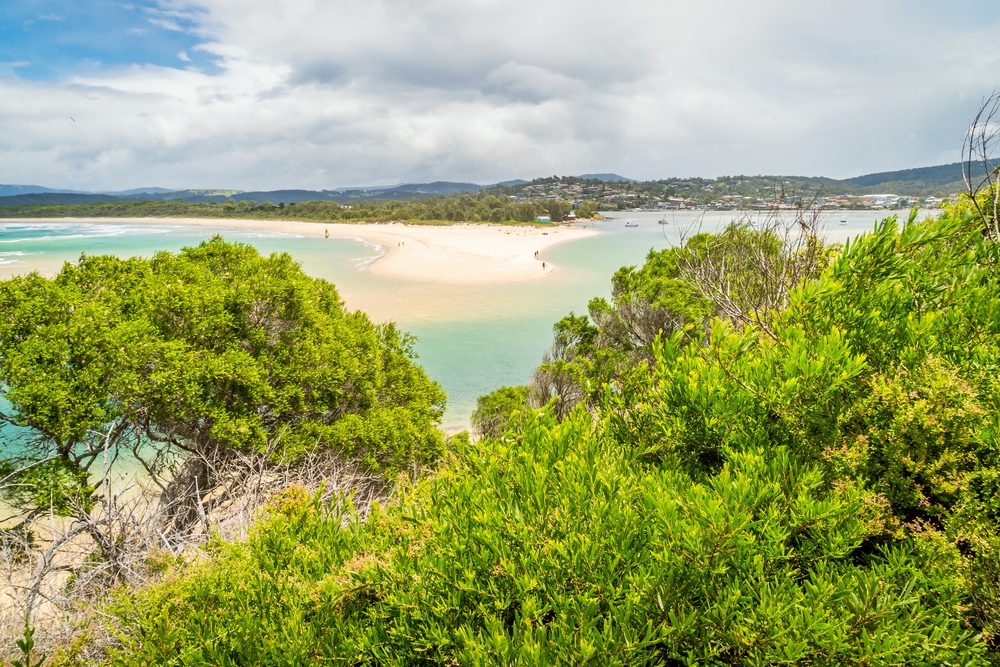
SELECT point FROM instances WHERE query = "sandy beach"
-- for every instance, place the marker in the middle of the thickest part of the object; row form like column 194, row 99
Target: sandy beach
column 461, row 254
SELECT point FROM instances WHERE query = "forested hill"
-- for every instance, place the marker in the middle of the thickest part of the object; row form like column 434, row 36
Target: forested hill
column 605, row 191
column 15, row 195
column 947, row 176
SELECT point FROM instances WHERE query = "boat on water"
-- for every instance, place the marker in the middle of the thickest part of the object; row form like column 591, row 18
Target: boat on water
column 664, row 221
column 843, row 222
column 629, row 223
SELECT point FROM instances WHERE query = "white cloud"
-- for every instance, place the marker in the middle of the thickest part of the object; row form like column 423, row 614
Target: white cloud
column 315, row 95
column 184, row 56
column 165, row 23
column 137, row 31
column 51, row 17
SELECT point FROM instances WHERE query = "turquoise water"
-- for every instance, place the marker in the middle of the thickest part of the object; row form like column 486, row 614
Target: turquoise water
column 472, row 339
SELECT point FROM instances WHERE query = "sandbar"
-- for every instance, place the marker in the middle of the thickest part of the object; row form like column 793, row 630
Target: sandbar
column 458, row 254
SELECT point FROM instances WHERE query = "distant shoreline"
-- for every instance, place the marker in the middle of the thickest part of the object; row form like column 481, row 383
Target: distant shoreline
column 455, row 253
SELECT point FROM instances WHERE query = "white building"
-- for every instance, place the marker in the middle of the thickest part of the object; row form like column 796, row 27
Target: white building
column 881, row 200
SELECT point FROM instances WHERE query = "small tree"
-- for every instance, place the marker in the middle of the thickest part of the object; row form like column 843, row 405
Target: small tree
column 981, row 164
column 190, row 365
column 749, row 269
column 495, row 410
column 586, row 210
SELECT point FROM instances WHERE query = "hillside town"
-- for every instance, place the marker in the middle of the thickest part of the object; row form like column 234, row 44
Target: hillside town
column 702, row 194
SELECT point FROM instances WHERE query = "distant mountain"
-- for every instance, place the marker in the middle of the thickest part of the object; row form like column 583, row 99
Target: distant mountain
column 940, row 180
column 410, row 191
column 42, row 196
column 366, row 188
column 939, row 175
column 608, row 177
column 286, row 196
column 10, row 190
column 273, row 196
column 943, row 179
column 139, row 191
column 52, row 197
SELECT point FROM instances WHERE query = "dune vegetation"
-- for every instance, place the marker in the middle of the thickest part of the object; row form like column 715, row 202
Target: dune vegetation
column 482, row 207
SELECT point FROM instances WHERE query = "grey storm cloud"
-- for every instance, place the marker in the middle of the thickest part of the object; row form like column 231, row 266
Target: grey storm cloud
column 320, row 94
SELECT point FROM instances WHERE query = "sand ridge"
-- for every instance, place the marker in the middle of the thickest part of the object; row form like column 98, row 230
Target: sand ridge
column 463, row 254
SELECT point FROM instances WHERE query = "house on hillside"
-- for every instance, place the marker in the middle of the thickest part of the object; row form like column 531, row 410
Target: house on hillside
column 881, row 200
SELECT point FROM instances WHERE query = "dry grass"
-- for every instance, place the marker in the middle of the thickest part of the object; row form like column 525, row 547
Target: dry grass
column 56, row 570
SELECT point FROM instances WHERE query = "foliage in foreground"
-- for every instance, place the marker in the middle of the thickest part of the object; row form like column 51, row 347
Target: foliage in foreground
column 560, row 546
column 825, row 493
column 214, row 347
column 743, row 273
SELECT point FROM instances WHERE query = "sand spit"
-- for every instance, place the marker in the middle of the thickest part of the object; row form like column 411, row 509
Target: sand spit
column 460, row 254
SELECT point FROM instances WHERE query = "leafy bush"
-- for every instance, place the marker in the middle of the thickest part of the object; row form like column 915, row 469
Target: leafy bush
column 494, row 411
column 882, row 372
column 214, row 347
column 563, row 547
column 821, row 493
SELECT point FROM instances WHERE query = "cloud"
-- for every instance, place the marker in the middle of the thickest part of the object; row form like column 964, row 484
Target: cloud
column 16, row 63
column 137, row 31
column 183, row 56
column 51, row 17
column 166, row 23
column 309, row 94
column 531, row 83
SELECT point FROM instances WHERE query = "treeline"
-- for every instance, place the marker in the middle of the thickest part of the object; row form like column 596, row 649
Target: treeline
column 457, row 208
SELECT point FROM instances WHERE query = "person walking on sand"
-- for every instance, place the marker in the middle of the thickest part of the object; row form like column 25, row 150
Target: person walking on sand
column 327, row 233
column 543, row 265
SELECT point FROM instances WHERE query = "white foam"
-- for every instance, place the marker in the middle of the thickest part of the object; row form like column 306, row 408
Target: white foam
column 82, row 231
column 363, row 263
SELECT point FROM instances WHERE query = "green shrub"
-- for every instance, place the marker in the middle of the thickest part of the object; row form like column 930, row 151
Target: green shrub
column 213, row 347
column 561, row 547
column 822, row 493
column 495, row 410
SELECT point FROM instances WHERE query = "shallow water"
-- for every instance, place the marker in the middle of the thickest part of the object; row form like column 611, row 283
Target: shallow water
column 472, row 339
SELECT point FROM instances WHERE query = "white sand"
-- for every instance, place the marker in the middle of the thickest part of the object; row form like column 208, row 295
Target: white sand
column 461, row 254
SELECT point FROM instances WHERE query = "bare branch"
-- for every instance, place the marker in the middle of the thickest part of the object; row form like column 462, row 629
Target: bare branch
column 55, row 574
column 750, row 269
column 981, row 164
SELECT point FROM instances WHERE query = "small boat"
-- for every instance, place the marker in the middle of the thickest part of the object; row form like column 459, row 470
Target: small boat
column 631, row 224
column 843, row 222
column 664, row 221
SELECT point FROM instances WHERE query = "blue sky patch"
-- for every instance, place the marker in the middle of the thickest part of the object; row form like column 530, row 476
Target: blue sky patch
column 46, row 40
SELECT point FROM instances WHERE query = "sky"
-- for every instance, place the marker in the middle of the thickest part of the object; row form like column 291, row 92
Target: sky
column 265, row 94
